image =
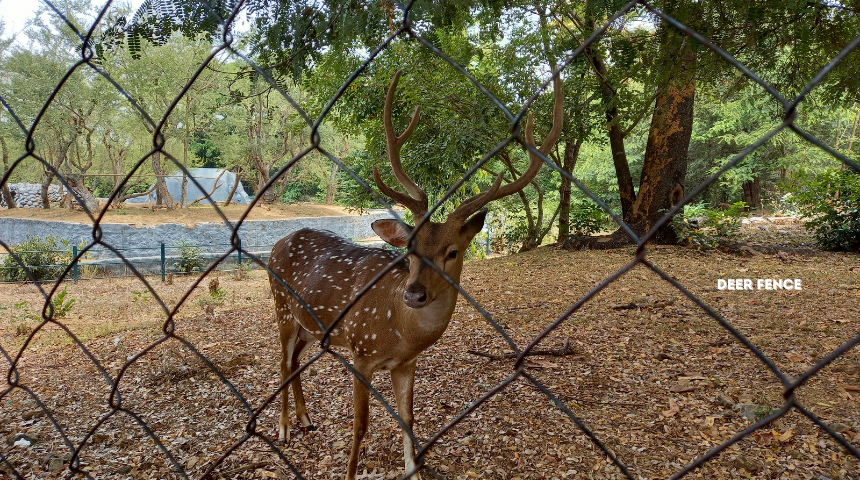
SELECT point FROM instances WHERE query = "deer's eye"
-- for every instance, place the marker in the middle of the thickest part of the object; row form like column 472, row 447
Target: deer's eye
column 453, row 254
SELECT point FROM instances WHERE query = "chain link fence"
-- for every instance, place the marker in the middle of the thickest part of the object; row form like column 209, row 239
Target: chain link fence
column 117, row 405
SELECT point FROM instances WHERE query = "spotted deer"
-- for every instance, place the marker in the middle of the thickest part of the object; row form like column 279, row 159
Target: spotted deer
column 405, row 311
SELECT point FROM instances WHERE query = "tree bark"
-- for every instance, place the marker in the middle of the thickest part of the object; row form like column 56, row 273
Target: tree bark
column 235, row 186
column 616, row 136
column 571, row 154
column 665, row 165
column 7, row 193
column 752, row 192
column 76, row 183
column 46, row 183
column 161, row 192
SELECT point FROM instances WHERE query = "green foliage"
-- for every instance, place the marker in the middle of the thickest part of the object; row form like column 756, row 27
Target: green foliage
column 218, row 295
column 477, row 248
column 214, row 299
column 762, row 408
column 45, row 258
column 206, row 150
column 586, row 217
column 140, row 296
column 702, row 227
column 62, row 307
column 190, row 258
column 831, row 203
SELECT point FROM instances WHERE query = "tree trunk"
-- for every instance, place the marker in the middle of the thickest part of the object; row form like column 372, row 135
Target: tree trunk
column 162, row 195
column 665, row 163
column 84, row 195
column 616, row 136
column 235, row 186
column 7, row 194
column 46, row 183
column 568, row 163
column 752, row 192
column 331, row 185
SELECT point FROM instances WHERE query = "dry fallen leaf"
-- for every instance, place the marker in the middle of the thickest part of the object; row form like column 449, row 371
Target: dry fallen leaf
column 541, row 364
column 681, row 387
column 794, row 358
column 673, row 409
column 783, row 437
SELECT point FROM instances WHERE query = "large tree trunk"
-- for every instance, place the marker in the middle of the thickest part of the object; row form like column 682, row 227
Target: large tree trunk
column 665, row 163
column 76, row 183
column 752, row 192
column 162, row 195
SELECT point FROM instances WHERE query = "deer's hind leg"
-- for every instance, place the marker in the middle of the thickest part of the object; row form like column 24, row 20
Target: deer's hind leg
column 289, row 334
column 304, row 342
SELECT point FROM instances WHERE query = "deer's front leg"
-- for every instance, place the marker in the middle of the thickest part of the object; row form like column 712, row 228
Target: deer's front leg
column 360, row 408
column 403, row 381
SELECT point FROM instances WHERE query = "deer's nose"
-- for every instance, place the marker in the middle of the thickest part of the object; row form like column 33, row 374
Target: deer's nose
column 415, row 296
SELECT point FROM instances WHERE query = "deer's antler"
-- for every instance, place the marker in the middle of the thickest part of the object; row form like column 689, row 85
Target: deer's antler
column 475, row 203
column 415, row 199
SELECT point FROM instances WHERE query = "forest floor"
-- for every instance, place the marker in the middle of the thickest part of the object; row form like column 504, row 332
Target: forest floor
column 142, row 214
column 654, row 377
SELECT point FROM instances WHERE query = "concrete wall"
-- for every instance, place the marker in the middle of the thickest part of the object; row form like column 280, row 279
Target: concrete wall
column 254, row 233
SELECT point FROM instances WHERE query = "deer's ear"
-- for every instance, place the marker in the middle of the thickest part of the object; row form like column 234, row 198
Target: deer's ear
column 474, row 224
column 392, row 231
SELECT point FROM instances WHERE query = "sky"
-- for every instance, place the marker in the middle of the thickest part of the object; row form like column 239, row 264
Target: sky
column 15, row 13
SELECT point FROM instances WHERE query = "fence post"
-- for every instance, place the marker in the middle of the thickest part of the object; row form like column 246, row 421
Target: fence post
column 162, row 261
column 239, row 255
column 75, row 263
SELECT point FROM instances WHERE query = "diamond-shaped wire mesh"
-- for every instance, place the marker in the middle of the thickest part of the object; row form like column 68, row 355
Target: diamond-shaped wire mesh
column 124, row 409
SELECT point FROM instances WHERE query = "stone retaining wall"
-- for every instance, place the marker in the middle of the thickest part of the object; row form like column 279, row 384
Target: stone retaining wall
column 253, row 233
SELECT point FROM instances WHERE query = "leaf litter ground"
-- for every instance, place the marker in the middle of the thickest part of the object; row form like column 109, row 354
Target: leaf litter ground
column 654, row 377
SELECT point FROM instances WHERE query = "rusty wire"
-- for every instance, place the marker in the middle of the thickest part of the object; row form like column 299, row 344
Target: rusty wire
column 404, row 28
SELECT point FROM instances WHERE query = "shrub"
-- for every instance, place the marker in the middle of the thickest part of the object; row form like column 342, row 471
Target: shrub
column 586, row 217
column 831, row 203
column 45, row 258
column 190, row 258
column 62, row 307
column 702, row 227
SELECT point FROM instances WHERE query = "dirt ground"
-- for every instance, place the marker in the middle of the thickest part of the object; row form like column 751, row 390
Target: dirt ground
column 142, row 214
column 654, row 377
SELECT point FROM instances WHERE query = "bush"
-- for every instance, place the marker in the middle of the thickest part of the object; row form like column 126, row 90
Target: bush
column 586, row 217
column 62, row 307
column 190, row 259
column 45, row 258
column 702, row 227
column 831, row 203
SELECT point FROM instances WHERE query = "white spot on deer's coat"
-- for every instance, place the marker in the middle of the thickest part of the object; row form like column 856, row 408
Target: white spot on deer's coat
column 373, row 337
column 389, row 314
